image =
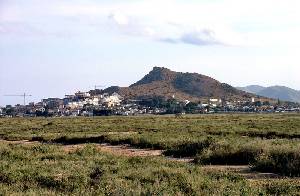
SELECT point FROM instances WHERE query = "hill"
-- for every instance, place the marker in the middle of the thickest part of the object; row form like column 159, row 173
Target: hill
column 162, row 82
column 251, row 88
column 276, row 92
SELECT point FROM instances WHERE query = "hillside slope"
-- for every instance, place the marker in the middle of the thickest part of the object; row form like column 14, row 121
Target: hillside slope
column 191, row 86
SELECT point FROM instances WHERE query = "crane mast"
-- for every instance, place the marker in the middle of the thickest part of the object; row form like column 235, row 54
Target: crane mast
column 24, row 95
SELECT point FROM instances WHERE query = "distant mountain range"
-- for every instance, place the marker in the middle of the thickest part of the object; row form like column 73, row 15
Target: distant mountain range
column 162, row 82
column 275, row 92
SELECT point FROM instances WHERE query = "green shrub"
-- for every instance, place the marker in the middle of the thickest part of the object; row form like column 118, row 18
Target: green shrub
column 281, row 160
column 229, row 154
column 189, row 149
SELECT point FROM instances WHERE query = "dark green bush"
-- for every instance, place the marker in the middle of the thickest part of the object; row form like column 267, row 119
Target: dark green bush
column 229, row 155
column 79, row 140
column 281, row 161
column 189, row 149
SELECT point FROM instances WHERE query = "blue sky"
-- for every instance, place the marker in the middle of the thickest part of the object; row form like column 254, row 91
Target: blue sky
column 49, row 48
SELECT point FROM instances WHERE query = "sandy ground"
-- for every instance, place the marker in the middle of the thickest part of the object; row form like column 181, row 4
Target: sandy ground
column 124, row 150
column 121, row 132
column 27, row 142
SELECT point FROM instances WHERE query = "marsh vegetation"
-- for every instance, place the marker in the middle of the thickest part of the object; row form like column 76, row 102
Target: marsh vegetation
column 266, row 143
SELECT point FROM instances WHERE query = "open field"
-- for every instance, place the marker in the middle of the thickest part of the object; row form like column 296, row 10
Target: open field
column 105, row 155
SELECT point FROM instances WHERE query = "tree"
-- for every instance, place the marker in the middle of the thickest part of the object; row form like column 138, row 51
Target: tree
column 278, row 102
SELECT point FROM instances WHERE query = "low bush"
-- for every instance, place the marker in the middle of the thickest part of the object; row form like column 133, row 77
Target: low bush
column 79, row 140
column 281, row 160
column 228, row 154
column 189, row 149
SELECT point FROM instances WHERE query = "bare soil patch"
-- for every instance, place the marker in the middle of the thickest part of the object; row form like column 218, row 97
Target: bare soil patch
column 121, row 132
column 72, row 148
column 127, row 150
column 28, row 142
column 123, row 150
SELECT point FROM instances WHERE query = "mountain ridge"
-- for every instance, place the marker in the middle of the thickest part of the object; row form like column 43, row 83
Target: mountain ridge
column 275, row 92
column 251, row 88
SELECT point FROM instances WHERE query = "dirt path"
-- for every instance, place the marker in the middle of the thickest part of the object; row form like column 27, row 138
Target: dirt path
column 124, row 150
column 27, row 142
column 129, row 151
column 121, row 132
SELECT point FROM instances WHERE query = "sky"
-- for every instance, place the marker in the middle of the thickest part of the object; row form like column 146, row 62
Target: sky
column 49, row 48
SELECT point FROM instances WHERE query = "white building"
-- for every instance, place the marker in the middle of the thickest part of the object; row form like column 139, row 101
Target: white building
column 213, row 100
column 74, row 104
column 113, row 100
column 82, row 94
column 186, row 102
column 93, row 101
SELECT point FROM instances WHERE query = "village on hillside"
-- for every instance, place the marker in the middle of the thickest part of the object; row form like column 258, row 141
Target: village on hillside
column 105, row 104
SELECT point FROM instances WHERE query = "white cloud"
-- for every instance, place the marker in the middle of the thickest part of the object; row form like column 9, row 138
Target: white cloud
column 119, row 18
column 129, row 25
column 202, row 37
column 167, row 32
column 155, row 19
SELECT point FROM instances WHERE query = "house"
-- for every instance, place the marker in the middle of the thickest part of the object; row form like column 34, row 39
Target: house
column 186, row 102
column 52, row 103
column 213, row 100
column 75, row 112
column 82, row 95
column 113, row 100
column 72, row 105
column 93, row 101
column 203, row 105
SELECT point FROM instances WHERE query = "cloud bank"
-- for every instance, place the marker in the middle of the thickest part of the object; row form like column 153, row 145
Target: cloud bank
column 205, row 23
column 166, row 32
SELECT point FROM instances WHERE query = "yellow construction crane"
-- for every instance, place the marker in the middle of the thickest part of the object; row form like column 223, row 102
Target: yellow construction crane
column 22, row 95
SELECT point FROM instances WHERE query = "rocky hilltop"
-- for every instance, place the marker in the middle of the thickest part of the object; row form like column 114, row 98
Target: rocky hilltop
column 166, row 83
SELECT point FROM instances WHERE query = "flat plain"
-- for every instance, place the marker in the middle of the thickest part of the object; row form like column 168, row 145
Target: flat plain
column 223, row 154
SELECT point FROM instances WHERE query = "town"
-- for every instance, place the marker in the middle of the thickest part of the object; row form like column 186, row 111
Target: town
column 98, row 103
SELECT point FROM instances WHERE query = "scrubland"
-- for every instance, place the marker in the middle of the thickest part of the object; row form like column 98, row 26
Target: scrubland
column 266, row 143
